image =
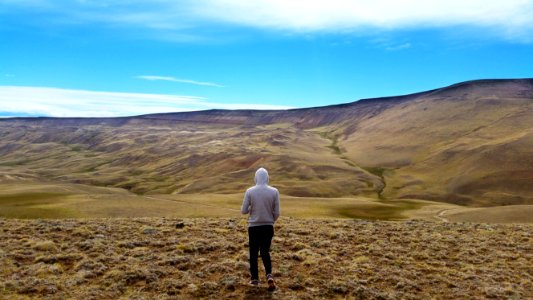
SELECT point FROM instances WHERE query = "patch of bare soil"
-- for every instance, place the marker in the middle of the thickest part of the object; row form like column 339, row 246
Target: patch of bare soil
column 161, row 258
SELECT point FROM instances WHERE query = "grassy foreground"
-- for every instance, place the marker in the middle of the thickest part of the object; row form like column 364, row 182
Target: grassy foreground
column 150, row 258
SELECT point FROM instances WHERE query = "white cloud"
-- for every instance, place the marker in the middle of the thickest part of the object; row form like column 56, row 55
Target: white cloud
column 391, row 45
column 173, row 79
column 512, row 19
column 316, row 15
column 398, row 47
column 56, row 102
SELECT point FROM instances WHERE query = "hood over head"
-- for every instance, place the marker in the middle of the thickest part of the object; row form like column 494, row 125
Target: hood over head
column 261, row 176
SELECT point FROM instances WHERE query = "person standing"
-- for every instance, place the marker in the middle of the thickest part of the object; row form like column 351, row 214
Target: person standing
column 262, row 203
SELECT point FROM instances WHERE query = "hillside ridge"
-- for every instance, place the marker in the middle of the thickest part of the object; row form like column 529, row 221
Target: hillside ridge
column 257, row 113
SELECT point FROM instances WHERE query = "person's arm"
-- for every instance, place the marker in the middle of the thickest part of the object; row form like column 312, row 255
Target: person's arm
column 245, row 204
column 275, row 208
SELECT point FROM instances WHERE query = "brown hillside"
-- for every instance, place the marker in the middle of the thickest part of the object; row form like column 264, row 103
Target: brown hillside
column 469, row 143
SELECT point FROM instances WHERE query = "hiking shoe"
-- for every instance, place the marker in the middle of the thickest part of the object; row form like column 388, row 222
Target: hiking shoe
column 271, row 283
column 254, row 282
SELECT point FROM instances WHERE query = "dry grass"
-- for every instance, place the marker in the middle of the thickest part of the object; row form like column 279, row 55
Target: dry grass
column 500, row 214
column 30, row 200
column 36, row 200
column 151, row 258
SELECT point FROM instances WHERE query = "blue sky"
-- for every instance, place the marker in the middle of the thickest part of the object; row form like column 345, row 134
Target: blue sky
column 115, row 58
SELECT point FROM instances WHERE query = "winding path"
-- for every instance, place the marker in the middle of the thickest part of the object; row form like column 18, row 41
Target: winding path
column 440, row 215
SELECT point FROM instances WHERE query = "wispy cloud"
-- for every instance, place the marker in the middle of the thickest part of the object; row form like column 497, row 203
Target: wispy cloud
column 505, row 17
column 56, row 102
column 173, row 79
column 511, row 19
column 391, row 45
column 398, row 47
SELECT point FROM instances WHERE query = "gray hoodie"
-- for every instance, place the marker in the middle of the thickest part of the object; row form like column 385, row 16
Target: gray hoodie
column 261, row 201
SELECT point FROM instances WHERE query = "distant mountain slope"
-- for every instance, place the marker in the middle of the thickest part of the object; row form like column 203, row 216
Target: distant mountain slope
column 469, row 143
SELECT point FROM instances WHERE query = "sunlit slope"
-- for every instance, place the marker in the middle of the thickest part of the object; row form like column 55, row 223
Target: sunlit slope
column 469, row 144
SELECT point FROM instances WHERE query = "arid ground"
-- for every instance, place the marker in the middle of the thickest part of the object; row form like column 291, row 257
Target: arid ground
column 166, row 258
column 424, row 196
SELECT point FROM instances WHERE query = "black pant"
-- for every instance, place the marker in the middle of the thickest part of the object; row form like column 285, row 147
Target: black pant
column 260, row 238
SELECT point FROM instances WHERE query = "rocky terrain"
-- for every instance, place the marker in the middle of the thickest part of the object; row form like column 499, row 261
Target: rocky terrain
column 166, row 258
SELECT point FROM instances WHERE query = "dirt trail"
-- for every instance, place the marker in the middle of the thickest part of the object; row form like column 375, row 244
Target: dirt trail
column 440, row 215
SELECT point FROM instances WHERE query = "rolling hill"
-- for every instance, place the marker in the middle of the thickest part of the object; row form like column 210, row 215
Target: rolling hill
column 470, row 144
